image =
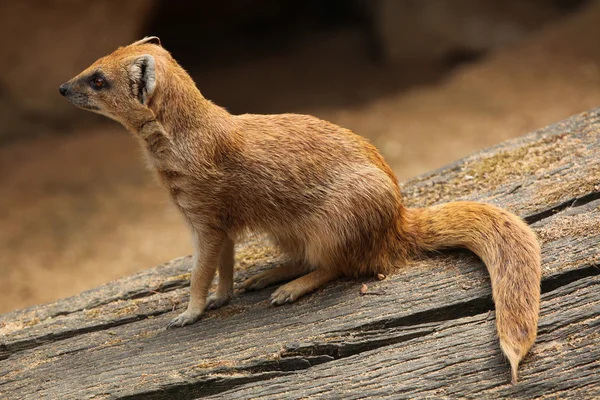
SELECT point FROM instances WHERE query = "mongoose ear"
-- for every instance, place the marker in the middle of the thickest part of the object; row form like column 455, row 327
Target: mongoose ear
column 148, row 40
column 142, row 75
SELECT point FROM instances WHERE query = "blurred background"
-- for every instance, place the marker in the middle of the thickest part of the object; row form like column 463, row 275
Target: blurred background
column 427, row 81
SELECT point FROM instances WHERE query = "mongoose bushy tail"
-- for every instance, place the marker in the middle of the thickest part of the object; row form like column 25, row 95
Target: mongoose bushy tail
column 511, row 252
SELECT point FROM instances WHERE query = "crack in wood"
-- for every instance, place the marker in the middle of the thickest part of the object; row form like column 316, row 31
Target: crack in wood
column 6, row 350
column 203, row 387
column 550, row 211
column 553, row 282
column 346, row 347
column 131, row 295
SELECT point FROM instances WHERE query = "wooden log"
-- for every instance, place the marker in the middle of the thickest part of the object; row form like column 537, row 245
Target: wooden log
column 426, row 331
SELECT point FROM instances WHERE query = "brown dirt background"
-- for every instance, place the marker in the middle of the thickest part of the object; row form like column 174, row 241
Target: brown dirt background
column 80, row 210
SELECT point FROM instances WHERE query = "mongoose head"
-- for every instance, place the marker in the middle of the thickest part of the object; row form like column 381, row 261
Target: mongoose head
column 119, row 81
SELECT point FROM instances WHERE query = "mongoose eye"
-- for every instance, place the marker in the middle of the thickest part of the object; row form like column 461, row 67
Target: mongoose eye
column 97, row 82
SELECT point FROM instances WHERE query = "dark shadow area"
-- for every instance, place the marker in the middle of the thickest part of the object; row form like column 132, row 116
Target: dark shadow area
column 269, row 56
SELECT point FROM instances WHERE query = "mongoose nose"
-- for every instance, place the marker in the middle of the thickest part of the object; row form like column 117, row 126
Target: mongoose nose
column 63, row 89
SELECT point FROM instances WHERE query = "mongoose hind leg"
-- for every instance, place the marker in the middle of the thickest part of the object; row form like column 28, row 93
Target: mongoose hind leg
column 297, row 288
column 225, row 271
column 288, row 271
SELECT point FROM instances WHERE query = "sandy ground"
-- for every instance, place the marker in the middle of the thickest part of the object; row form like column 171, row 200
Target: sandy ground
column 80, row 210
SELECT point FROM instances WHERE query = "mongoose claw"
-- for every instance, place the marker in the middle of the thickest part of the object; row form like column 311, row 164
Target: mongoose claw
column 283, row 295
column 183, row 319
column 215, row 301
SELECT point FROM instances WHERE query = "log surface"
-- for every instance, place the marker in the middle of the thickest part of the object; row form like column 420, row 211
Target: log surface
column 426, row 331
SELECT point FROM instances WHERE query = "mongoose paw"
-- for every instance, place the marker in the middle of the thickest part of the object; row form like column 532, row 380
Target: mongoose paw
column 256, row 282
column 215, row 301
column 284, row 294
column 183, row 319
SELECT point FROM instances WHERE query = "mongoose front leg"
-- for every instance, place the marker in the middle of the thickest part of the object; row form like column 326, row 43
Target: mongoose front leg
column 288, row 271
column 292, row 291
column 208, row 247
column 225, row 270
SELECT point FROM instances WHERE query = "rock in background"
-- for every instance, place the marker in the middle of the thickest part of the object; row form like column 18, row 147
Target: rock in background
column 408, row 30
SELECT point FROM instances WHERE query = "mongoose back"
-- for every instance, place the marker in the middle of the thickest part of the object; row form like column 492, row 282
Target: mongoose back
column 323, row 194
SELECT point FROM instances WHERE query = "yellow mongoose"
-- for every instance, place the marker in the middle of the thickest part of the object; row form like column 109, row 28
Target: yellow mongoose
column 323, row 194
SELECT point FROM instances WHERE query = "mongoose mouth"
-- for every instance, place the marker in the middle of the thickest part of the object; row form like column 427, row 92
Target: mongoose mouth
column 88, row 107
column 81, row 101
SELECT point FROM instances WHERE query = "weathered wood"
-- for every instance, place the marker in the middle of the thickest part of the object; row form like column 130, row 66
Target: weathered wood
column 429, row 332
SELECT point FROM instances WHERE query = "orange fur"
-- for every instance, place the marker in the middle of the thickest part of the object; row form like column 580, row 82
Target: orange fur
column 322, row 193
